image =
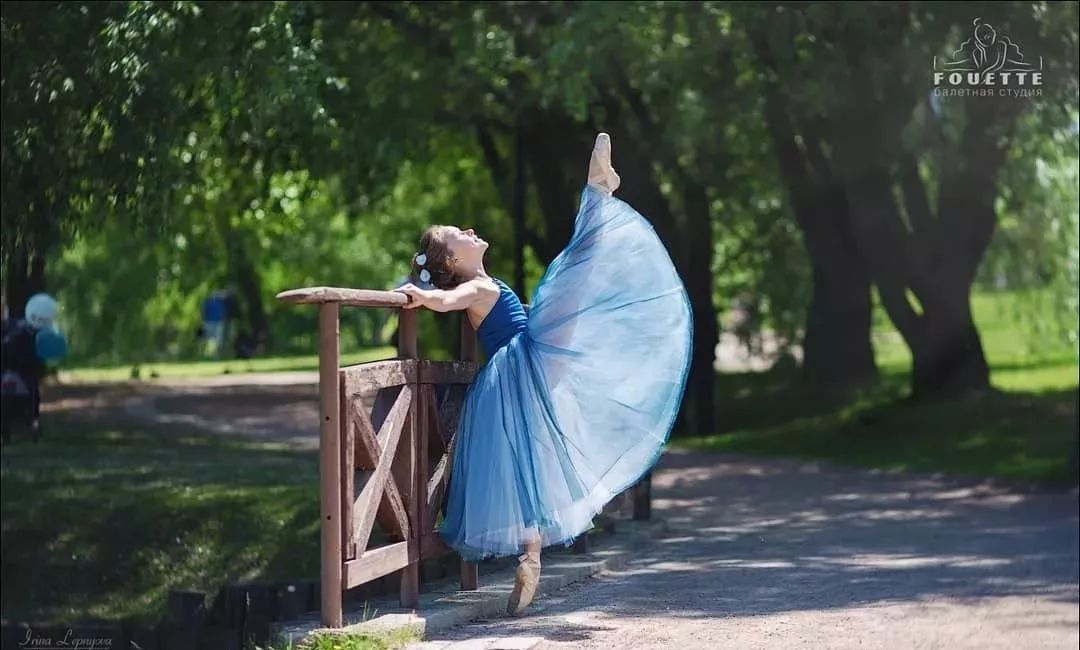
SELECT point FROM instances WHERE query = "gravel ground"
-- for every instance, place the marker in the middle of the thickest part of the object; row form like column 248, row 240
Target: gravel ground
column 786, row 554
column 762, row 554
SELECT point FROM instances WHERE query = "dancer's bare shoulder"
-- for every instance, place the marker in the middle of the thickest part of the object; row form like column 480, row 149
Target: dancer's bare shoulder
column 485, row 296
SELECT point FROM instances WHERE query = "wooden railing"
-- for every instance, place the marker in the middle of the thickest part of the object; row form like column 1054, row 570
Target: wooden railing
column 386, row 441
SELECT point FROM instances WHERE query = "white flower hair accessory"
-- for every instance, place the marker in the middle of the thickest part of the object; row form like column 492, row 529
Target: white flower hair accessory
column 425, row 275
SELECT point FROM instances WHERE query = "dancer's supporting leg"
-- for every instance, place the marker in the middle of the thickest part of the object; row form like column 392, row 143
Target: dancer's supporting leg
column 527, row 577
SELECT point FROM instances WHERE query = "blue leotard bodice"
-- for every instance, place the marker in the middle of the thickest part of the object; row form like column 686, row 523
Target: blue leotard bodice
column 506, row 318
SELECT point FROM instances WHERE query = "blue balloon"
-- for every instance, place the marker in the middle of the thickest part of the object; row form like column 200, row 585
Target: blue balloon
column 50, row 344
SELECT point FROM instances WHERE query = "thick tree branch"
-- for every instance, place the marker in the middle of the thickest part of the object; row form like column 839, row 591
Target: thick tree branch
column 915, row 199
column 496, row 164
column 925, row 227
column 538, row 244
column 894, row 300
column 969, row 188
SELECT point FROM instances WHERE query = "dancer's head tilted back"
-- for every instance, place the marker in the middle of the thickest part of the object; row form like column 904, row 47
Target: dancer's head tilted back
column 450, row 256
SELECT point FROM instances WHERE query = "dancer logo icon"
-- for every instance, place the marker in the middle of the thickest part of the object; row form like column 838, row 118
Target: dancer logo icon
column 988, row 63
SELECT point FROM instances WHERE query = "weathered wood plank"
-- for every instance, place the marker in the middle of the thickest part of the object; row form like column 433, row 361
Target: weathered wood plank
column 466, row 339
column 371, row 493
column 344, row 296
column 422, row 408
column 378, row 562
column 383, row 403
column 368, row 377
column 436, row 444
column 436, row 489
column 467, row 352
column 450, row 414
column 391, row 513
column 406, row 463
column 447, row 372
column 408, row 326
column 330, row 464
column 431, row 545
column 366, row 449
column 643, row 498
column 470, row 577
column 348, row 474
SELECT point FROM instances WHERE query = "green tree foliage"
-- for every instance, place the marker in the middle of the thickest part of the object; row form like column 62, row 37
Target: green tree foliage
column 155, row 152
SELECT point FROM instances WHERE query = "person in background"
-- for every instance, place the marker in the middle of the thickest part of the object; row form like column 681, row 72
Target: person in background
column 28, row 345
column 214, row 319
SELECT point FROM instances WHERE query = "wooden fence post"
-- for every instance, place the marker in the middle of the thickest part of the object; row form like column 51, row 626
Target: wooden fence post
column 407, row 450
column 643, row 498
column 467, row 347
column 330, row 465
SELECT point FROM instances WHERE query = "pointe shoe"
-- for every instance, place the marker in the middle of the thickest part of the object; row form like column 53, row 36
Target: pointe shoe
column 525, row 582
column 601, row 173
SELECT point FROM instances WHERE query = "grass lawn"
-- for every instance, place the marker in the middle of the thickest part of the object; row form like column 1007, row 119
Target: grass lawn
column 187, row 369
column 102, row 523
column 389, row 641
column 1027, row 430
column 1016, row 434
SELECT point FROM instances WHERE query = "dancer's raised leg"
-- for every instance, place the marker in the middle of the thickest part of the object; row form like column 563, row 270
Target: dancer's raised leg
column 601, row 173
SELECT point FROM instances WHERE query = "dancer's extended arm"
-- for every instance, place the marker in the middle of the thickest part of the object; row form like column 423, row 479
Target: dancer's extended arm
column 460, row 297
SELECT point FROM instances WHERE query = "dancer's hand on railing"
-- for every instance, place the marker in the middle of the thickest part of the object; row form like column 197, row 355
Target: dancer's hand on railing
column 464, row 296
column 417, row 297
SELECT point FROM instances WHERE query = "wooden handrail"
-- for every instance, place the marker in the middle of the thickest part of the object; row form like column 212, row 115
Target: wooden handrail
column 349, row 297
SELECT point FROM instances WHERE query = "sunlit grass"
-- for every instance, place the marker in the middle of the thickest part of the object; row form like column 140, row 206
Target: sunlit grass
column 1021, row 435
column 1009, row 345
column 102, row 523
column 391, row 640
column 1026, row 430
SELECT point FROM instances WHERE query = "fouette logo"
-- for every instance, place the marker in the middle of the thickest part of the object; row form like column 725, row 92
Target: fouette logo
column 988, row 63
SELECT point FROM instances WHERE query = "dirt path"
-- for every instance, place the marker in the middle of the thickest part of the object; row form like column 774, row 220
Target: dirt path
column 783, row 554
column 279, row 408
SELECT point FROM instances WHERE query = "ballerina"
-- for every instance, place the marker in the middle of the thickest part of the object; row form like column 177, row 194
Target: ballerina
column 577, row 397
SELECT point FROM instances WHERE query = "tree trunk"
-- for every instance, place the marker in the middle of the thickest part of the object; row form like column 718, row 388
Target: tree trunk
column 518, row 211
column 837, row 349
column 947, row 352
column 252, row 319
column 836, row 344
column 24, row 276
column 250, row 286
column 559, row 167
column 698, row 280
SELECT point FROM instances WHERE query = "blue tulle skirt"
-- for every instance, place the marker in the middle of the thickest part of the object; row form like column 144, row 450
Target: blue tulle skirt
column 578, row 407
